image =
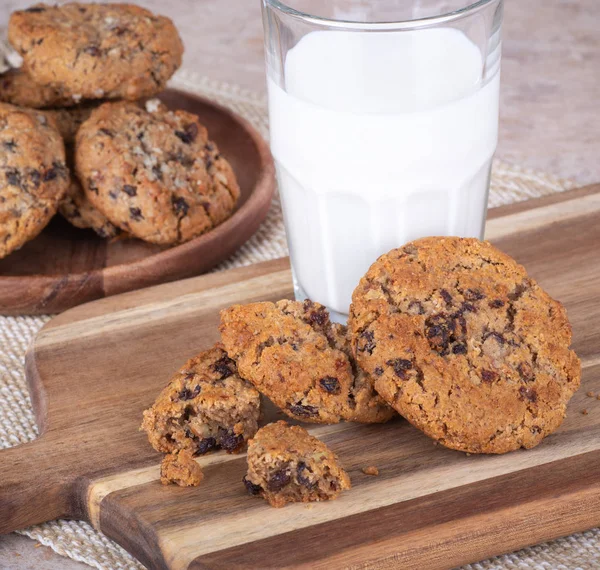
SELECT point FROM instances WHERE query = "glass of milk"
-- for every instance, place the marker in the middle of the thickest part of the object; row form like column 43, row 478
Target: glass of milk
column 384, row 122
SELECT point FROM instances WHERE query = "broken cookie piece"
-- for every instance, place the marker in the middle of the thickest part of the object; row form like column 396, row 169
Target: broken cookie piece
column 180, row 469
column 288, row 465
column 206, row 406
column 292, row 353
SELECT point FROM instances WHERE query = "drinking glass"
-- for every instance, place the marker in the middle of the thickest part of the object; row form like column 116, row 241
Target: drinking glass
column 384, row 121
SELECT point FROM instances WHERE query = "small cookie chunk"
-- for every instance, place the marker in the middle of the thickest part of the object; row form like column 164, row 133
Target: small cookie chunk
column 155, row 175
column 96, row 51
column 298, row 358
column 464, row 344
column 18, row 88
column 181, row 469
column 288, row 465
column 206, row 406
column 33, row 175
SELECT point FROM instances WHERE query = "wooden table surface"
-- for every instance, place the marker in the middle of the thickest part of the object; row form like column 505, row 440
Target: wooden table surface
column 549, row 104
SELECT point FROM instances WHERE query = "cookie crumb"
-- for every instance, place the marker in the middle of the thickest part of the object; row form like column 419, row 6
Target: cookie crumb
column 14, row 59
column 584, row 412
column 153, row 105
column 435, row 443
column 468, row 454
column 371, row 470
column 181, row 469
column 598, row 397
column 590, row 394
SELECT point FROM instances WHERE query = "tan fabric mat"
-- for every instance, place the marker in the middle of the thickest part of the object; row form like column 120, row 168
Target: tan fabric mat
column 80, row 541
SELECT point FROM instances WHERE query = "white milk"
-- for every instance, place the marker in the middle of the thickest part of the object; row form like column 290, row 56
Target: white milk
column 379, row 138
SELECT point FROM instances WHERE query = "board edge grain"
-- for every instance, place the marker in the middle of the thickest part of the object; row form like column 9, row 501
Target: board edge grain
column 166, row 291
column 459, row 521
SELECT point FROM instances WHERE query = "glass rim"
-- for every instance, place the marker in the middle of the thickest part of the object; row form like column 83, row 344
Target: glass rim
column 472, row 8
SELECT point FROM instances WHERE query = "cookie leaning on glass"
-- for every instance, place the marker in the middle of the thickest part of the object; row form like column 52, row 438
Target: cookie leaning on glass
column 464, row 344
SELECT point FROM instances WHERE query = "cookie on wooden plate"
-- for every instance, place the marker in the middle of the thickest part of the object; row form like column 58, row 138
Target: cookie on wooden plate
column 33, row 175
column 299, row 359
column 155, row 175
column 288, row 465
column 96, row 51
column 18, row 88
column 464, row 344
column 81, row 213
column 75, row 206
column 68, row 120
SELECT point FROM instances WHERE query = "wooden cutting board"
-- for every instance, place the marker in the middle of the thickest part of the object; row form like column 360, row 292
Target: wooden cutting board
column 93, row 369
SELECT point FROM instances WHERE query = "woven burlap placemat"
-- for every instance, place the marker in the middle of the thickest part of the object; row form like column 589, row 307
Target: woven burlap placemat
column 78, row 540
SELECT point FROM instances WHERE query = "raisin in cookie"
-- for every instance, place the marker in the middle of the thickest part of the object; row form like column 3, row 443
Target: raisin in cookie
column 18, row 88
column 180, row 468
column 288, row 465
column 299, row 359
column 33, row 175
column 96, row 51
column 464, row 344
column 154, row 174
column 206, row 406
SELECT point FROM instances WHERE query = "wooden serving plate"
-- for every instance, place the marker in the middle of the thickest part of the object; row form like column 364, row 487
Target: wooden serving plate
column 95, row 368
column 65, row 266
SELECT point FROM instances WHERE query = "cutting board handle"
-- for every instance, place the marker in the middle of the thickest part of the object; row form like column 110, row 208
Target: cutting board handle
column 32, row 490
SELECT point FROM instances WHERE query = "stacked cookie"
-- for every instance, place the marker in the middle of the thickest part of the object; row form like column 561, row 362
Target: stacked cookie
column 136, row 168
column 450, row 333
